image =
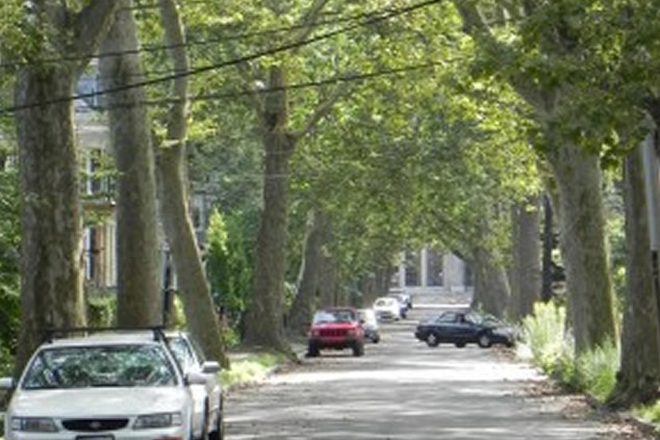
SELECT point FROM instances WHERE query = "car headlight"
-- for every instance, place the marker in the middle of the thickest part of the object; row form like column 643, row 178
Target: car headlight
column 160, row 420
column 33, row 424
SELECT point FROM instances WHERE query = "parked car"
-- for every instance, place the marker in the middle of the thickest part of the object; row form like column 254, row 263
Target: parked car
column 369, row 324
column 403, row 304
column 191, row 358
column 336, row 328
column 404, row 298
column 462, row 328
column 387, row 308
column 105, row 386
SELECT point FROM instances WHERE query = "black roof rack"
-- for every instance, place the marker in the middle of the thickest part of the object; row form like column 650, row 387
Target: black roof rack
column 51, row 333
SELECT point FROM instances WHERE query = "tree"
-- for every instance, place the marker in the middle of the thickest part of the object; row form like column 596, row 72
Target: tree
column 139, row 298
column 639, row 375
column 308, row 284
column 524, row 63
column 175, row 213
column 525, row 272
column 51, row 287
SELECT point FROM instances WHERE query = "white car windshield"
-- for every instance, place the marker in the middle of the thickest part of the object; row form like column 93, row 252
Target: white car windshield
column 385, row 302
column 100, row 366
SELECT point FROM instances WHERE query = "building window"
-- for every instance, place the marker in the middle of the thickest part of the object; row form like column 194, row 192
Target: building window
column 434, row 272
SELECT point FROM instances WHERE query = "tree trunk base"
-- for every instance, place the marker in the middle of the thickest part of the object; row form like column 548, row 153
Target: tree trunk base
column 628, row 394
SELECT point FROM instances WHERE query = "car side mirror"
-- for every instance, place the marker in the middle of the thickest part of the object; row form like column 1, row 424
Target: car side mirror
column 195, row 378
column 210, row 367
column 7, row 383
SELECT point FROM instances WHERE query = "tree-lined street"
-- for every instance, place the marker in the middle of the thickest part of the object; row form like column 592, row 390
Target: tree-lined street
column 403, row 390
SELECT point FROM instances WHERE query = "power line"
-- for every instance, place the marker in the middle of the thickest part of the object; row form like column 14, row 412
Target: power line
column 283, row 48
column 204, row 42
column 298, row 86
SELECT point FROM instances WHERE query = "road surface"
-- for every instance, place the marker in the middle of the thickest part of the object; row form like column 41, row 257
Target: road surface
column 401, row 389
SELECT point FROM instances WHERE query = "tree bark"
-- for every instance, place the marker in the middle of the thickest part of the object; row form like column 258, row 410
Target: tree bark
column 139, row 299
column 526, row 271
column 548, row 245
column 173, row 183
column 51, row 284
column 264, row 326
column 51, row 242
column 308, row 280
column 639, row 374
column 582, row 240
column 491, row 287
column 328, row 283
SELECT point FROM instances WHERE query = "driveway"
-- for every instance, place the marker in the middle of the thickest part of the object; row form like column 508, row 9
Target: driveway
column 402, row 389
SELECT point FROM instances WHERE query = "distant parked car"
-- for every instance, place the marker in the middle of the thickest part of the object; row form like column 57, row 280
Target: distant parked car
column 404, row 298
column 336, row 328
column 461, row 328
column 369, row 324
column 387, row 308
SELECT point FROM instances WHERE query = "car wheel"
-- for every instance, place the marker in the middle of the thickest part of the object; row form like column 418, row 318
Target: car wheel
column 484, row 341
column 460, row 344
column 219, row 432
column 313, row 351
column 432, row 340
column 358, row 349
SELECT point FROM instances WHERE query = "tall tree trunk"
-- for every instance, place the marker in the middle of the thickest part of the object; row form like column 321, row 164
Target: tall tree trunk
column 526, row 271
column 582, row 238
column 308, row 280
column 51, row 285
column 139, row 299
column 51, row 242
column 639, row 375
column 328, row 283
column 548, row 245
column 491, row 287
column 173, row 183
column 264, row 326
column 383, row 276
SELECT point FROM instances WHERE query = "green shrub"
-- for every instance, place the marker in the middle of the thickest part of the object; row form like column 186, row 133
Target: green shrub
column 101, row 310
column 596, row 370
column 552, row 350
column 545, row 333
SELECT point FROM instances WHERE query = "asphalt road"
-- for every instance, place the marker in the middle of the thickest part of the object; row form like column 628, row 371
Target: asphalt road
column 402, row 389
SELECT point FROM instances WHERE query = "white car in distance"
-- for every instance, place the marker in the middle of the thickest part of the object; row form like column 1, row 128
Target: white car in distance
column 105, row 386
column 387, row 308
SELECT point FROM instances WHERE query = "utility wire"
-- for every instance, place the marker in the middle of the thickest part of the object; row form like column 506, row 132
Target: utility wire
column 204, row 42
column 298, row 86
column 232, row 62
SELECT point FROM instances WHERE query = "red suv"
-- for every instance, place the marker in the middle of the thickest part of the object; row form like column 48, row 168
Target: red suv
column 336, row 328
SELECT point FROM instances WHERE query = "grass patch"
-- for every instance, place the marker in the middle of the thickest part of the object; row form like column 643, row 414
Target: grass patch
column 254, row 368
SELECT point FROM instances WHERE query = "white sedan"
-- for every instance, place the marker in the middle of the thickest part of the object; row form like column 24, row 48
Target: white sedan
column 387, row 308
column 107, row 386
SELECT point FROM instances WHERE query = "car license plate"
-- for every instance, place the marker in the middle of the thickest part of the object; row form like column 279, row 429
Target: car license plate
column 95, row 437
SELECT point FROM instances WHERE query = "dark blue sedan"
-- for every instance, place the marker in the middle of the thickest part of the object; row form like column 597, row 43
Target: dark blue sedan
column 461, row 328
